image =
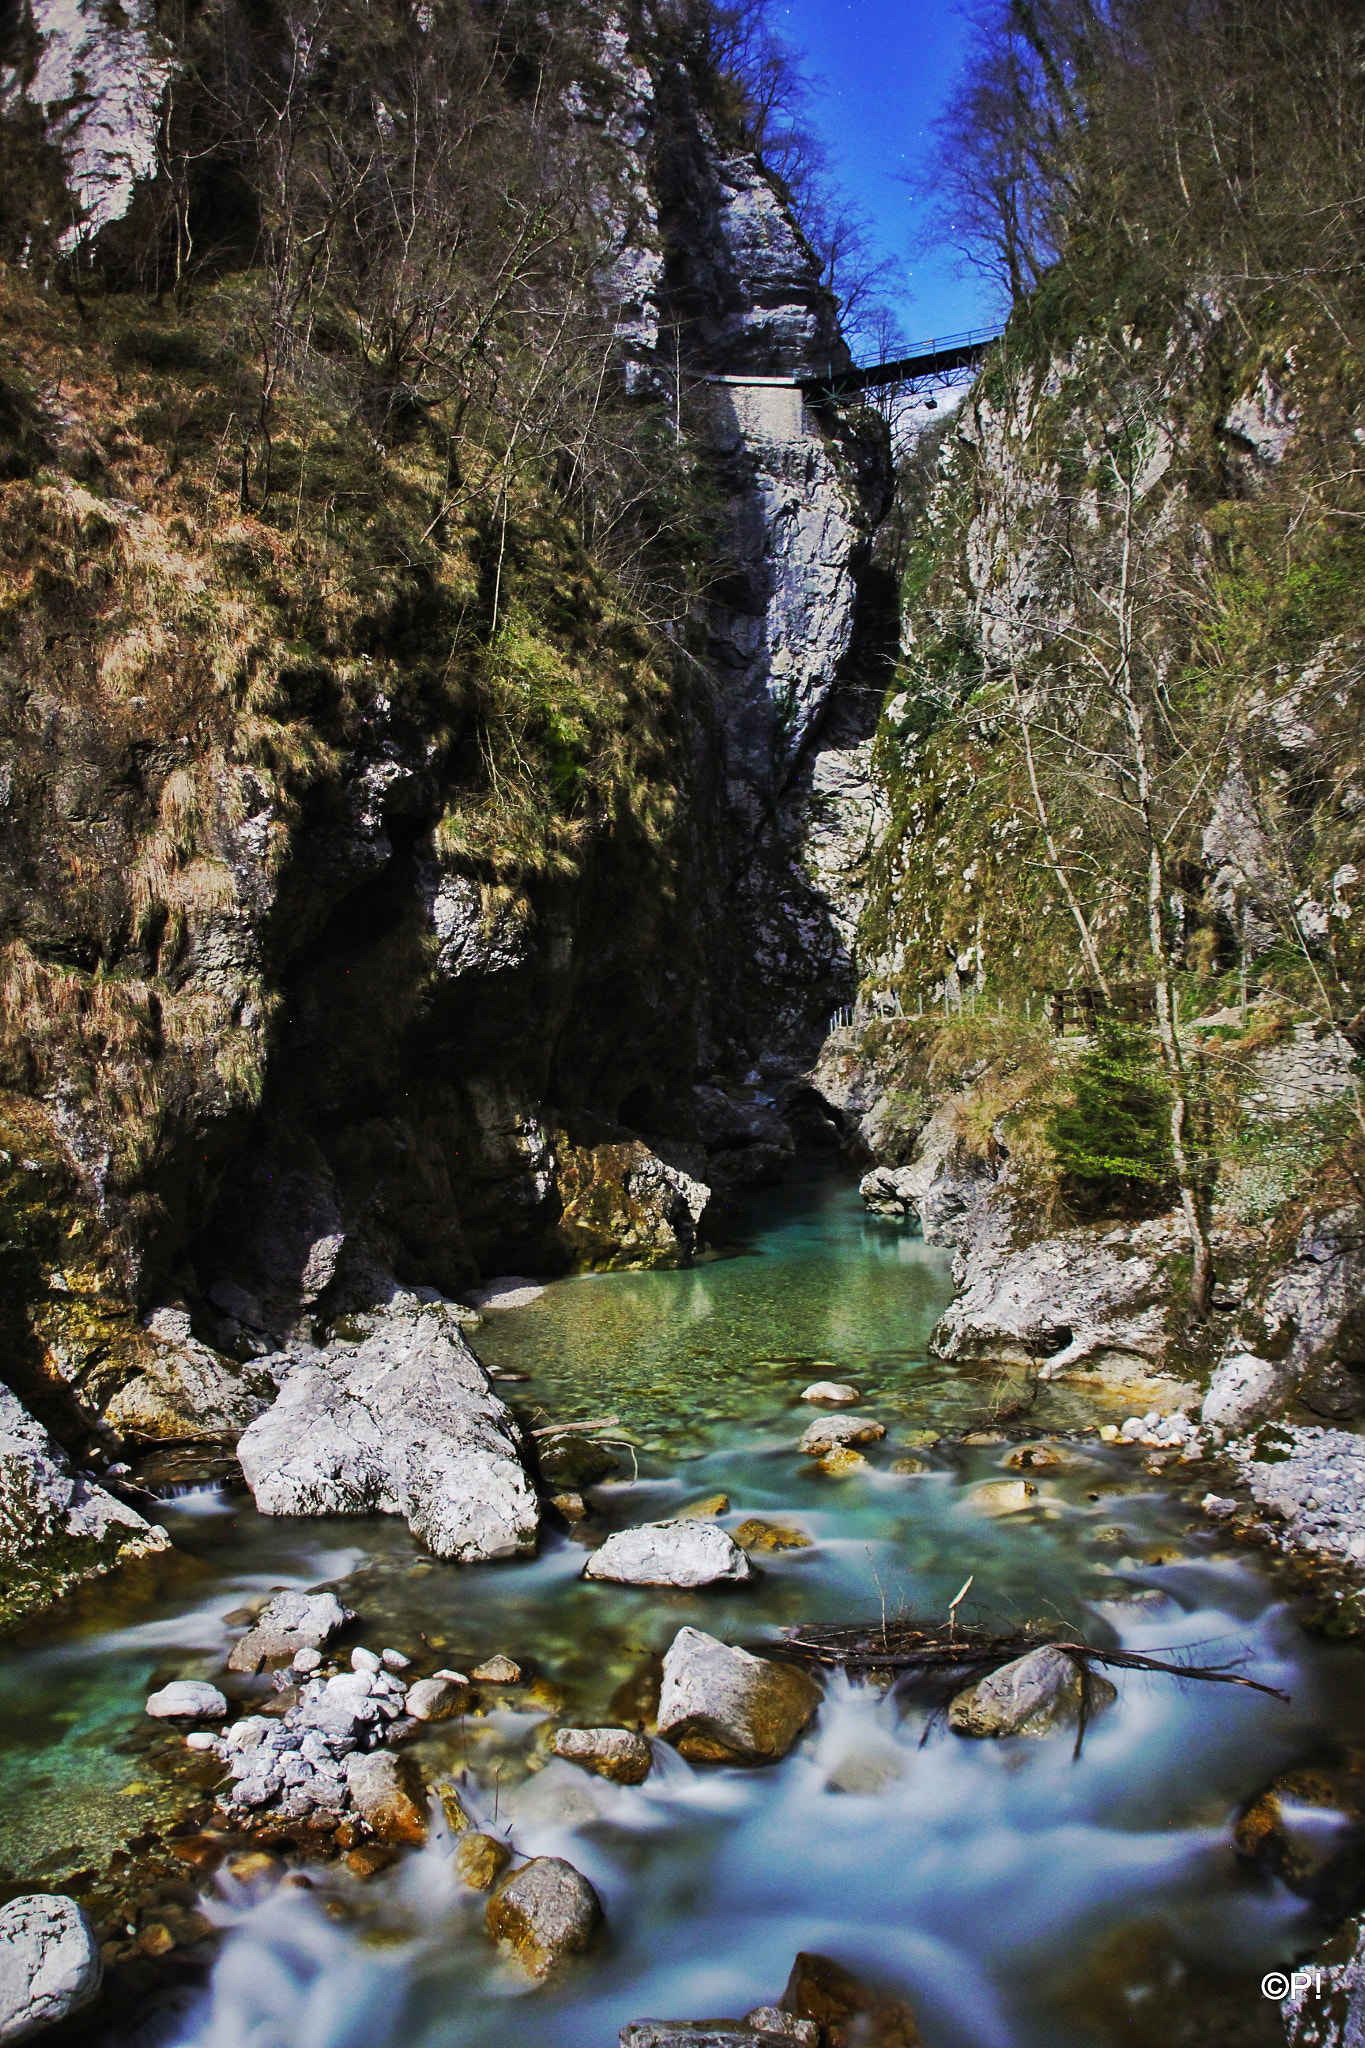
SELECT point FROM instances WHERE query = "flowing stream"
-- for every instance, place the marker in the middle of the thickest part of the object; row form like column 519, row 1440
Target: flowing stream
column 1018, row 1896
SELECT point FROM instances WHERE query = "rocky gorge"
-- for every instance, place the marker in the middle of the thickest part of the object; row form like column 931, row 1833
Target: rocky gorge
column 474, row 820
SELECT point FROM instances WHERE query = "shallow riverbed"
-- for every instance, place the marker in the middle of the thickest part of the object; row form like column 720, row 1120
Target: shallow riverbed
column 1017, row 1896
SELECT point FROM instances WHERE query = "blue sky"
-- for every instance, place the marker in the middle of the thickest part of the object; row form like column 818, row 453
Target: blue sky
column 885, row 68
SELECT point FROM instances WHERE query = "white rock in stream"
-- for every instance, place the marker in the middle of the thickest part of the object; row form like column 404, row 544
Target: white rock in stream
column 838, row 1433
column 49, row 1964
column 1035, row 1695
column 1243, row 1389
column 719, row 1705
column 403, row 1422
column 682, row 1553
column 189, row 1699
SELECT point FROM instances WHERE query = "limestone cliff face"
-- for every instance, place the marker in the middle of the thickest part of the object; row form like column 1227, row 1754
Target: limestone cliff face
column 1155, row 480
column 282, row 1044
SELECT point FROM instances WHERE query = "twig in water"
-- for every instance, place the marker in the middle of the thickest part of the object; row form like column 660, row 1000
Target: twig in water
column 953, row 1606
column 881, row 1591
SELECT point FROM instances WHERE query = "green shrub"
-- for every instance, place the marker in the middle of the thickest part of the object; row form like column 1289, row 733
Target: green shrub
column 1113, row 1141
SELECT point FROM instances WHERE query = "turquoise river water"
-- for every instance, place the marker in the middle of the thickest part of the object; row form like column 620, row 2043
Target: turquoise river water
column 1017, row 1896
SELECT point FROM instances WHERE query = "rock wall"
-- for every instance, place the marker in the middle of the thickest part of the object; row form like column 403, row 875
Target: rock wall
column 284, row 1052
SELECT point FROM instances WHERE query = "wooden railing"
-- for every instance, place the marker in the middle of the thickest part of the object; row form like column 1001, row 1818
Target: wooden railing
column 1130, row 1002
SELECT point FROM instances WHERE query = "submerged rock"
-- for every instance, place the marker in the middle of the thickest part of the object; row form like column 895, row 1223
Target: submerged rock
column 190, row 1699
column 544, row 1914
column 759, row 1535
column 842, row 1460
column 497, row 1670
column 705, row 1510
column 290, row 1623
column 49, row 1964
column 57, row 1527
column 403, row 1422
column 574, row 1462
column 616, row 1753
column 996, row 1497
column 682, row 1553
column 839, row 1433
column 720, row 1705
column 480, row 1860
column 1035, row 1695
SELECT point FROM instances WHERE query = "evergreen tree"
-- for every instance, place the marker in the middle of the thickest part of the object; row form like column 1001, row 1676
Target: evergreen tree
column 1113, row 1141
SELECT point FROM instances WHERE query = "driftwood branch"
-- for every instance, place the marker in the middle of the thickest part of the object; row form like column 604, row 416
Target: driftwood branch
column 572, row 1428
column 968, row 1649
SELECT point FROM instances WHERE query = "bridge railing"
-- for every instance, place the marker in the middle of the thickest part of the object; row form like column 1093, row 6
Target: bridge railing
column 939, row 353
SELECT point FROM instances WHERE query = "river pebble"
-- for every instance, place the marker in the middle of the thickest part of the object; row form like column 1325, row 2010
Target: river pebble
column 388, row 1795
column 1315, row 1478
column 837, row 1392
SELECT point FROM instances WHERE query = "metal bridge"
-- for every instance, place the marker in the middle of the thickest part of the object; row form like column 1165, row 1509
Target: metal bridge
column 940, row 356
column 929, row 362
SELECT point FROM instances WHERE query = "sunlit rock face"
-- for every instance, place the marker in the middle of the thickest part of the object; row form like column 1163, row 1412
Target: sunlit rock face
column 57, row 1526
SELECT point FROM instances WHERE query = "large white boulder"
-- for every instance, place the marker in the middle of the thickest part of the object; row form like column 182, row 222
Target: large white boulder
column 1244, row 1389
column 681, row 1553
column 719, row 1705
column 49, row 1964
column 401, row 1421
